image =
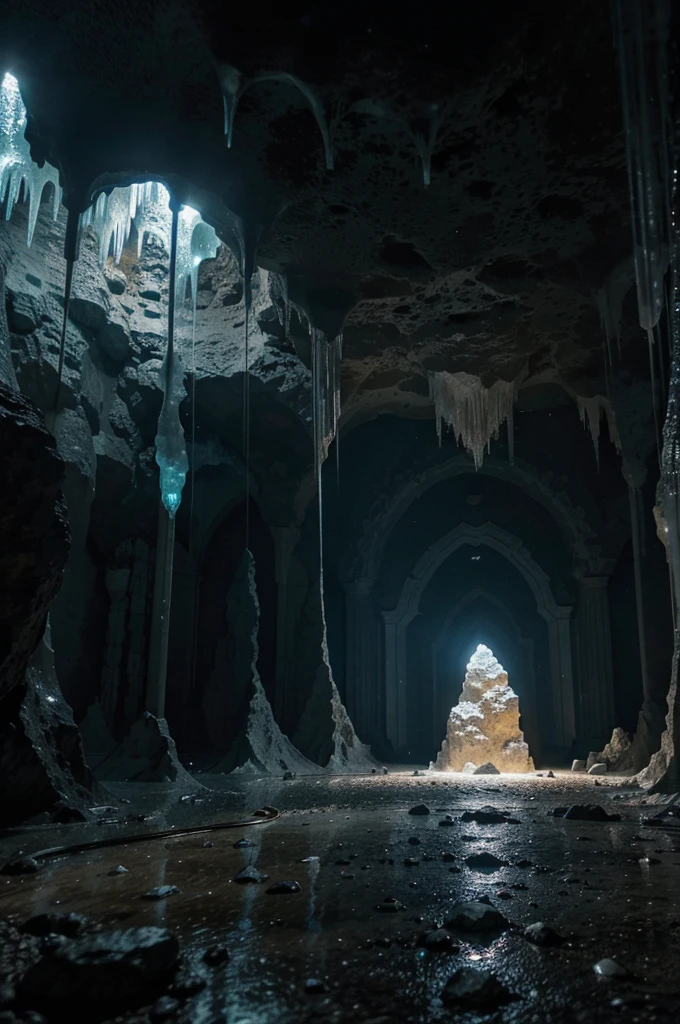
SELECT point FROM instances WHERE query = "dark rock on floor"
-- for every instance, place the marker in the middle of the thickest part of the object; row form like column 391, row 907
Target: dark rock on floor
column 471, row 989
column 475, row 916
column 105, row 970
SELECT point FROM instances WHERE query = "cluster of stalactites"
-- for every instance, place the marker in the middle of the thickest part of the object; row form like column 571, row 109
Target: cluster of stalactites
column 147, row 206
column 474, row 412
column 591, row 410
column 17, row 169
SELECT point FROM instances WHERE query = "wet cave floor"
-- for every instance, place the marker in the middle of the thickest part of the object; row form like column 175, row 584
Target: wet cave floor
column 610, row 889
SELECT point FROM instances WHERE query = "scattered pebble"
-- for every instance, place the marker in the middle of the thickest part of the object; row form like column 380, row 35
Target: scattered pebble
column 609, row 969
column 419, row 810
column 475, row 989
column 542, row 934
column 284, row 888
column 119, row 870
column 250, row 874
column 161, row 892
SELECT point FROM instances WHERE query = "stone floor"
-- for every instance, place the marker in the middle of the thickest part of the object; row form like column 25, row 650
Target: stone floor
column 609, row 889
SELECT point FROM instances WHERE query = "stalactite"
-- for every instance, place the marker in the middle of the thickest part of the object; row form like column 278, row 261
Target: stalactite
column 641, row 33
column 589, row 411
column 233, row 88
column 475, row 413
column 17, row 169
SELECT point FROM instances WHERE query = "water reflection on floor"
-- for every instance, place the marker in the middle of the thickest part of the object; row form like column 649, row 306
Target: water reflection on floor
column 345, row 841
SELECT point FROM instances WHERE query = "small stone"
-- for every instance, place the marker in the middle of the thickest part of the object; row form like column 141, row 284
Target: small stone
column 390, row 905
column 419, row 810
column 21, row 866
column 413, row 841
column 216, row 955
column 207, row 845
column 447, row 822
column 542, row 934
column 314, row 986
column 119, row 870
column 411, row 862
column 578, row 765
column 475, row 916
column 609, row 969
column 475, row 989
column 164, row 1007
column 439, row 940
column 250, row 874
column 242, row 844
column 550, row 775
column 284, row 888
column 485, row 860
column 598, row 769
column 487, row 816
column 589, row 812
column 524, row 863
column 504, row 894
column 70, row 925
column 486, row 769
column 446, row 855
column 161, row 892
column 289, row 776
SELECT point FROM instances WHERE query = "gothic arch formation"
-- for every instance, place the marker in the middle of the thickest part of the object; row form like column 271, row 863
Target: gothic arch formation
column 557, row 618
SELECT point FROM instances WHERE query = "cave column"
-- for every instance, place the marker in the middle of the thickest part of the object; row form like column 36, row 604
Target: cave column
column 363, row 697
column 285, row 541
column 596, row 688
column 650, row 722
column 160, row 615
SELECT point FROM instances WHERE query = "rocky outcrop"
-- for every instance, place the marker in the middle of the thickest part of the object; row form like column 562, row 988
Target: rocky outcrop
column 148, row 754
column 617, row 755
column 259, row 745
column 42, row 764
column 34, row 533
column 325, row 733
column 484, row 725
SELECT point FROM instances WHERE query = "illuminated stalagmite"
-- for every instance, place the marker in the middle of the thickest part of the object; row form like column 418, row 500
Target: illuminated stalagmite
column 484, row 725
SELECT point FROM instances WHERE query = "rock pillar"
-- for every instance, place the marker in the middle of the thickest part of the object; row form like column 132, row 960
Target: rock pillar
column 596, row 690
column 363, row 692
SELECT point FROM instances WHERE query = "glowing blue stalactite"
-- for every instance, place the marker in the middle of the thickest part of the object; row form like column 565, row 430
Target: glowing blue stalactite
column 190, row 241
column 17, row 169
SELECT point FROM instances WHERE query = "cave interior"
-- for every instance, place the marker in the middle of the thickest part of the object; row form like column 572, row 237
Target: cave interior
column 338, row 345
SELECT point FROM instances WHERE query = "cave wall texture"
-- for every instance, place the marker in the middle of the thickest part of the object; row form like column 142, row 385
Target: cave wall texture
column 502, row 266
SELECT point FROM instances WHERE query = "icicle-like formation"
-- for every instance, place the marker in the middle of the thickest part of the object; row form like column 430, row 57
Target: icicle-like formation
column 171, row 453
column 474, row 413
column 16, row 166
column 590, row 411
column 641, row 32
column 425, row 143
column 233, row 88
column 326, row 362
column 148, row 207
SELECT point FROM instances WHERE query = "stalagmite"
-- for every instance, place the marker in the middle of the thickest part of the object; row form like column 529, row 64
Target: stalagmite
column 484, row 725
column 475, row 413
column 259, row 746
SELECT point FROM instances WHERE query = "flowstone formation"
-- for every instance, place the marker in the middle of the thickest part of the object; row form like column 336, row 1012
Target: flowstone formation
column 483, row 726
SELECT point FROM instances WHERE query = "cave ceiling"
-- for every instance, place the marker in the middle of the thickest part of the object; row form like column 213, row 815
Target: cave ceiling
column 492, row 268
